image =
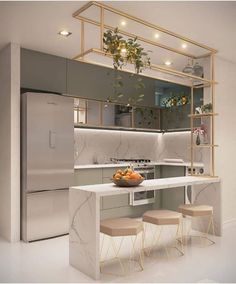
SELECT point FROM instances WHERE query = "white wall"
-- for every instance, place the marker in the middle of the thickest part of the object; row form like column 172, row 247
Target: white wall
column 226, row 135
column 10, row 142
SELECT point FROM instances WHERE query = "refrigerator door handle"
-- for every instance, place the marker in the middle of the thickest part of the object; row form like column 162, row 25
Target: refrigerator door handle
column 52, row 139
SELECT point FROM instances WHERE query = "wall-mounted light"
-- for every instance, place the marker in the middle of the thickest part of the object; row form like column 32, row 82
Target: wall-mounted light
column 64, row 33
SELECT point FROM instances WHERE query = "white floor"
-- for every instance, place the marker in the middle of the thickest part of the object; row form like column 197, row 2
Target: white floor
column 47, row 261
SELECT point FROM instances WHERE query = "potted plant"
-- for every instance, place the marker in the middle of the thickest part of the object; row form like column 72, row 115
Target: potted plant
column 206, row 108
column 125, row 51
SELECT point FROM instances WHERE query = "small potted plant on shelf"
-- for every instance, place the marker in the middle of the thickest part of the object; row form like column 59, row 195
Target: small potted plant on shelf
column 200, row 132
column 206, row 108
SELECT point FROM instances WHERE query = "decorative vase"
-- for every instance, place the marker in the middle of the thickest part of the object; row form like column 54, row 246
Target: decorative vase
column 198, row 141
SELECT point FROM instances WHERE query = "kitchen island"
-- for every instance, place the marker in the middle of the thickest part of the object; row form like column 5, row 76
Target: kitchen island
column 84, row 206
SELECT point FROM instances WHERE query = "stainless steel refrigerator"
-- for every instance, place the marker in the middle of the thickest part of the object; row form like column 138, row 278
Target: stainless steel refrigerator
column 47, row 164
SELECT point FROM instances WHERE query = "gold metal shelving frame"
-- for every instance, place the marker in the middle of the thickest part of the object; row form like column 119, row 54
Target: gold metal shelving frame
column 204, row 83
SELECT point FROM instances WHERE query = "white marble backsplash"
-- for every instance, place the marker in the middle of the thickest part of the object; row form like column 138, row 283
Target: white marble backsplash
column 98, row 146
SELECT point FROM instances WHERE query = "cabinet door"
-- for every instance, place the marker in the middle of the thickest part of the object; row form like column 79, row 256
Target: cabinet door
column 87, row 176
column 175, row 117
column 88, row 80
column 115, row 201
column 173, row 197
column 93, row 113
column 146, row 117
column 40, row 71
column 47, row 215
column 108, row 114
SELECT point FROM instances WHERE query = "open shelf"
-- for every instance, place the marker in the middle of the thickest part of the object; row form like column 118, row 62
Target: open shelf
column 202, row 115
column 203, row 146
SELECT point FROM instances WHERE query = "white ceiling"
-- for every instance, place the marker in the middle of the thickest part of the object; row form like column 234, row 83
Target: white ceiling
column 35, row 25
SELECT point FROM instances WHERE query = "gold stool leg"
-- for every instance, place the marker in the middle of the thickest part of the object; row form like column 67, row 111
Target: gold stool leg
column 210, row 225
column 140, row 260
column 116, row 255
column 179, row 228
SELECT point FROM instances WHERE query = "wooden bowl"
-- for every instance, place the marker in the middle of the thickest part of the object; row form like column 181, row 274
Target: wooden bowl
column 127, row 182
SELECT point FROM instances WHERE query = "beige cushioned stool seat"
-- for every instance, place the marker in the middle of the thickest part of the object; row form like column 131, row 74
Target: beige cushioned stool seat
column 121, row 227
column 195, row 210
column 162, row 217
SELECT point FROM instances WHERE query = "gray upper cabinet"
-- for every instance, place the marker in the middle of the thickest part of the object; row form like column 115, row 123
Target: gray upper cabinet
column 44, row 72
column 96, row 82
column 175, row 118
column 49, row 73
column 87, row 81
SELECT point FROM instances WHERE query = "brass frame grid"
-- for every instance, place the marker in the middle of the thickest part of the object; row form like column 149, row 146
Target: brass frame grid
column 153, row 67
column 142, row 22
column 210, row 52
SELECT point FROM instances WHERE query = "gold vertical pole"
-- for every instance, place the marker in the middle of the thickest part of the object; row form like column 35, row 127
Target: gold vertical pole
column 213, row 118
column 101, row 27
column 82, row 38
column 191, row 126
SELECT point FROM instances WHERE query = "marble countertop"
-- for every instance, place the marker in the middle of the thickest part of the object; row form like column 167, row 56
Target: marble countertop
column 152, row 184
column 161, row 163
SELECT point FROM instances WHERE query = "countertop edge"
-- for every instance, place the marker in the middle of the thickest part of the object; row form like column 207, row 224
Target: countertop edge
column 100, row 166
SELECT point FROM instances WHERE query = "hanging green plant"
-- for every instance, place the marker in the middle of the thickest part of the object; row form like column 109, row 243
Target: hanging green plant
column 176, row 100
column 125, row 51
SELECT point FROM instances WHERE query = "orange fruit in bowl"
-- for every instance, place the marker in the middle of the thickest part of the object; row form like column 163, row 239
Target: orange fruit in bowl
column 135, row 175
column 117, row 176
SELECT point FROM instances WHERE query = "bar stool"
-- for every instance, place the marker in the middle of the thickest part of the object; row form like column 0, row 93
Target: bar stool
column 121, row 227
column 163, row 218
column 198, row 211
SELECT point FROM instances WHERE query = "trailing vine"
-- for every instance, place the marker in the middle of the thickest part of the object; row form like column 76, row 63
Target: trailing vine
column 125, row 51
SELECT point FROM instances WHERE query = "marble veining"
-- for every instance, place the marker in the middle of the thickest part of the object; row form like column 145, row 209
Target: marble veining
column 83, row 237
column 84, row 206
column 98, row 146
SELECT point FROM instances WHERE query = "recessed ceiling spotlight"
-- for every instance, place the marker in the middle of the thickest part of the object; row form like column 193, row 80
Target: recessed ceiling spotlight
column 168, row 63
column 64, row 33
column 123, row 23
column 184, row 45
column 156, row 35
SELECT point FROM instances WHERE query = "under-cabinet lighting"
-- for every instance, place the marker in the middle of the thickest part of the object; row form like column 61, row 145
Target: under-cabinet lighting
column 64, row 33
